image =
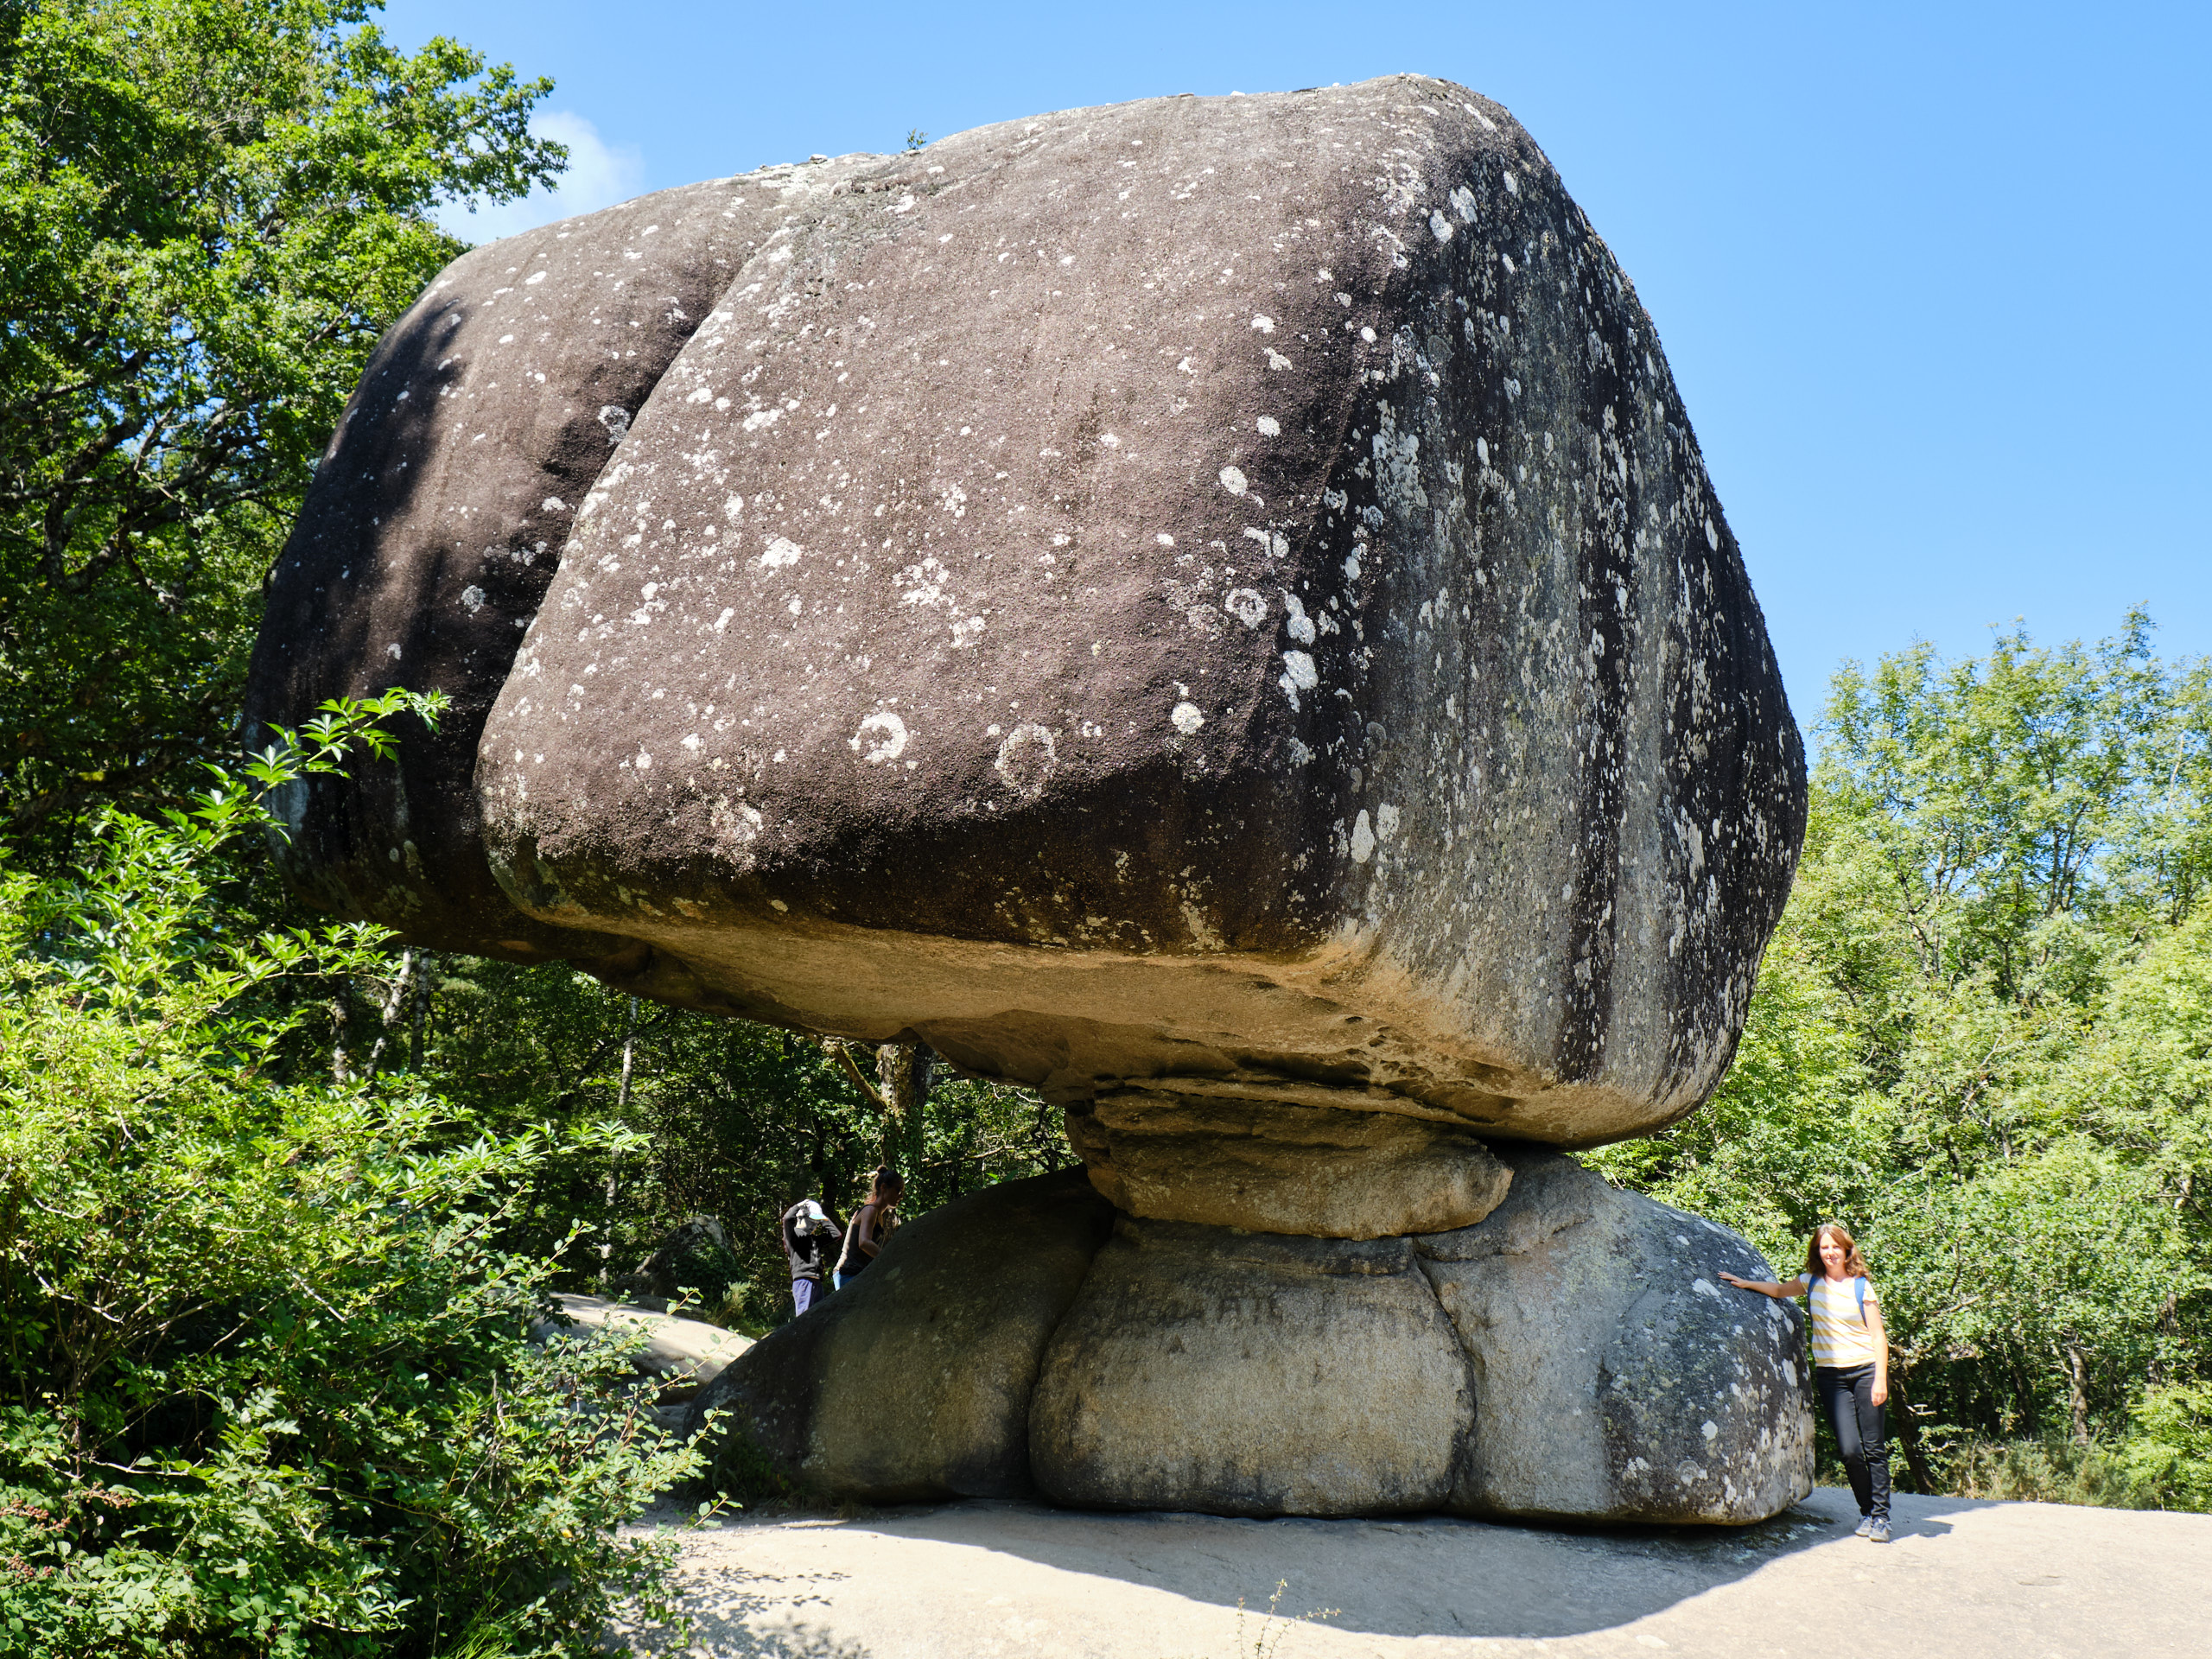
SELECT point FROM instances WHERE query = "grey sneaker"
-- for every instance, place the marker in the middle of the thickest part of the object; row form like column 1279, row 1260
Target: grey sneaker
column 1878, row 1532
column 1865, row 1525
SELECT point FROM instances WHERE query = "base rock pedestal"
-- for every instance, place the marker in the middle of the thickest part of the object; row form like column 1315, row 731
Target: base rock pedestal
column 1204, row 1368
column 1573, row 1355
column 1618, row 1379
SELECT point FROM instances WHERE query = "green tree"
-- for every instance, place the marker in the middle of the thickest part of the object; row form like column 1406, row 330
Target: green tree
column 265, row 1384
column 209, row 211
column 1982, row 1037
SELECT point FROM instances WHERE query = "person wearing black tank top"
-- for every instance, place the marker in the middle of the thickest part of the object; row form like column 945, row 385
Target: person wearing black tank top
column 872, row 1224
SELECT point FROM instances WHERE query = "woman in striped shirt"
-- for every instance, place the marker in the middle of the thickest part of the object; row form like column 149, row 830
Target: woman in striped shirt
column 1850, row 1363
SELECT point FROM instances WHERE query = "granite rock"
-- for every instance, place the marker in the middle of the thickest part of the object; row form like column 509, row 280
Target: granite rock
column 1619, row 1379
column 1572, row 1356
column 1267, row 1168
column 1207, row 591
column 678, row 1356
column 914, row 1380
column 438, row 516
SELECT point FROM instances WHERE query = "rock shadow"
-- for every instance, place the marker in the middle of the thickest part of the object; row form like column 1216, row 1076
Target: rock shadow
column 1400, row 1577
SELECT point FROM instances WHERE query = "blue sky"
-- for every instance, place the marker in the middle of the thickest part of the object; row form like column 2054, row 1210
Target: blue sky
column 1932, row 277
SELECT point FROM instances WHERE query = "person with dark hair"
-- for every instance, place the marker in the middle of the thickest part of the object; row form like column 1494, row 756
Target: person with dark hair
column 812, row 1241
column 872, row 1224
column 1850, row 1363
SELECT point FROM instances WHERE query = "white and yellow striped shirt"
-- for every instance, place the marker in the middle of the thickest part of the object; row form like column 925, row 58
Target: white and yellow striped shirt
column 1842, row 1340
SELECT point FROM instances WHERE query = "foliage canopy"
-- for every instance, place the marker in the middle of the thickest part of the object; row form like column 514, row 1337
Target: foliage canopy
column 1982, row 1037
column 209, row 211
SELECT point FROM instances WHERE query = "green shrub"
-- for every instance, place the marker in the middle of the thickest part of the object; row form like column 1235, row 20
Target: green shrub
column 265, row 1384
column 2168, row 1452
column 2047, row 1472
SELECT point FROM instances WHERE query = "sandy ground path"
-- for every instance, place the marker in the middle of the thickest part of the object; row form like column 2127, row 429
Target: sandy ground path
column 970, row 1580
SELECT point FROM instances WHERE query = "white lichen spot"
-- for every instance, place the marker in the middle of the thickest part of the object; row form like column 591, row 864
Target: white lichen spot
column 1362, row 838
column 733, row 508
column 473, row 598
column 1187, row 719
column 616, row 420
column 644, row 762
column 1268, row 426
column 1386, row 821
column 1248, row 605
column 1233, row 480
column 1439, row 227
column 1512, row 185
column 1298, row 624
column 533, row 279
column 1463, row 203
column 879, row 738
column 552, row 504
column 1712, row 537
column 734, row 822
column 781, row 552
column 1164, row 539
column 1265, row 325
column 1298, row 672
column 1026, row 759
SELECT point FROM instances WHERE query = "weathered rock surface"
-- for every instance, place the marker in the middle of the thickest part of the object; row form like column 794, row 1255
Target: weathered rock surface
column 914, row 1381
column 1205, row 591
column 1210, row 608
column 1966, row 1579
column 677, row 1357
column 437, row 519
column 1573, row 1356
column 1250, row 1373
column 1272, row 1168
column 1618, row 1378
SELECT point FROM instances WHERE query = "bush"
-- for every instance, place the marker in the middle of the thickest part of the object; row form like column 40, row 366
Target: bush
column 2048, row 1471
column 2164, row 1462
column 265, row 1384
column 2169, row 1453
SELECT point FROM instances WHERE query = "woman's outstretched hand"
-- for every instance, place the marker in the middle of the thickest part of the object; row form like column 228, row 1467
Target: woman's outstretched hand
column 1741, row 1284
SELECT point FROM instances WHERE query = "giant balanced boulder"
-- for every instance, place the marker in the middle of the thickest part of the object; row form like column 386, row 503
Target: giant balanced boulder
column 1211, row 595
column 1210, row 608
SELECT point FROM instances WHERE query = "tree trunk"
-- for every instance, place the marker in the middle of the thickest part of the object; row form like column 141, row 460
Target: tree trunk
column 903, row 1072
column 2077, row 1393
column 614, row 1166
column 1915, row 1457
column 338, row 1069
column 388, row 1015
column 422, row 1016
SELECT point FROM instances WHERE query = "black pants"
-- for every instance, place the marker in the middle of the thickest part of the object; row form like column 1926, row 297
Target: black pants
column 1849, row 1397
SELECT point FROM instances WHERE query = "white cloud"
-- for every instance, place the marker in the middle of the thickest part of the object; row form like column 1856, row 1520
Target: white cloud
column 597, row 175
